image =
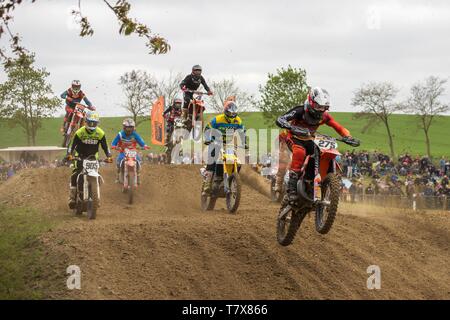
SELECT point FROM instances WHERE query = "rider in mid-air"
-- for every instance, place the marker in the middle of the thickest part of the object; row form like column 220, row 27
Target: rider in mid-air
column 302, row 122
column 128, row 138
column 85, row 144
column 192, row 82
column 226, row 123
column 73, row 95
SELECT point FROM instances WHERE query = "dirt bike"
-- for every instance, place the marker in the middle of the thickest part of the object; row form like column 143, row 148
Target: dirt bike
column 195, row 114
column 175, row 138
column 74, row 122
column 226, row 182
column 318, row 189
column 88, row 187
column 128, row 173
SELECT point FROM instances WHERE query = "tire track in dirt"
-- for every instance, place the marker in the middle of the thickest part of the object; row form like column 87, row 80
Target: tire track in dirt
column 164, row 247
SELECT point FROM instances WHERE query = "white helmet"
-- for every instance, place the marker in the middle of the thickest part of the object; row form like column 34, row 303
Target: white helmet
column 317, row 102
column 128, row 125
column 92, row 120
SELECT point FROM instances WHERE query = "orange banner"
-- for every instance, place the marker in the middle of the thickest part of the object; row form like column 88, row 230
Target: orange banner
column 157, row 121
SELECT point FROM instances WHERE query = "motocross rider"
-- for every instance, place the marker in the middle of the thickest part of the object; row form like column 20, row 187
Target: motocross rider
column 224, row 123
column 174, row 112
column 84, row 144
column 302, row 122
column 192, row 82
column 73, row 95
column 128, row 138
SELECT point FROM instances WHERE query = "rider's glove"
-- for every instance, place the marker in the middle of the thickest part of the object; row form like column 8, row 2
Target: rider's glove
column 146, row 147
column 351, row 141
column 298, row 131
column 208, row 142
column 69, row 99
column 210, row 93
column 114, row 147
column 92, row 108
column 183, row 88
column 69, row 157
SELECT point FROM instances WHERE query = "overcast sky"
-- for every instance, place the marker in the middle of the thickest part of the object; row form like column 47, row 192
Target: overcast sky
column 340, row 44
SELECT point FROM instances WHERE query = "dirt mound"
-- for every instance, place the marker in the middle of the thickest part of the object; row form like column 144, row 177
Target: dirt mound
column 164, row 247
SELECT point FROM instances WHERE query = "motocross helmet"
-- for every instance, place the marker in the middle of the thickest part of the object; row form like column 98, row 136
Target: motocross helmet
column 230, row 110
column 128, row 126
column 92, row 120
column 76, row 86
column 317, row 102
column 177, row 103
column 197, row 70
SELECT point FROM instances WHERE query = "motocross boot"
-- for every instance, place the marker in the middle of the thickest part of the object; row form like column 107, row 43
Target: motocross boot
column 207, row 182
column 292, row 187
column 72, row 196
column 278, row 183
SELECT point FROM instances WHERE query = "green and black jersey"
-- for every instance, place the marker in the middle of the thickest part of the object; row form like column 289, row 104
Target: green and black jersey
column 85, row 144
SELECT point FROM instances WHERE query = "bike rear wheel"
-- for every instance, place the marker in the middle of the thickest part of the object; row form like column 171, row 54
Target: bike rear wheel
column 208, row 202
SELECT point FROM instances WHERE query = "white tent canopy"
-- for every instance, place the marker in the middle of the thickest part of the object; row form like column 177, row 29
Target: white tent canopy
column 13, row 154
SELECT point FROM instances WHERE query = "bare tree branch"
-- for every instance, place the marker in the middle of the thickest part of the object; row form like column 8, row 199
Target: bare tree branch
column 424, row 102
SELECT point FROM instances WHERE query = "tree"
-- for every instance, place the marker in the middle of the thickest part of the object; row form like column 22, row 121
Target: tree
column 283, row 91
column 137, row 86
column 168, row 87
column 228, row 88
column 424, row 102
column 377, row 103
column 25, row 97
column 121, row 9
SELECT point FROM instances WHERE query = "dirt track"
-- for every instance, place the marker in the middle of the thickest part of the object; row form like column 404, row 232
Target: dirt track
column 164, row 247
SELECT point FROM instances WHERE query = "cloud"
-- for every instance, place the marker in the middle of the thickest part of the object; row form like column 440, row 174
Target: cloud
column 340, row 44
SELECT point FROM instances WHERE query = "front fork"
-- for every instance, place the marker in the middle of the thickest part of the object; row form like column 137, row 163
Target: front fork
column 317, row 178
column 86, row 187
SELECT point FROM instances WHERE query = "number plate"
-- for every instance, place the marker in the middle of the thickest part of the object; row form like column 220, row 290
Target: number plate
column 91, row 166
column 131, row 154
column 326, row 144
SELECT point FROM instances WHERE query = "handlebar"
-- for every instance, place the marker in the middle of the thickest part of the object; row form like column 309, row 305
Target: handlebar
column 196, row 92
column 81, row 159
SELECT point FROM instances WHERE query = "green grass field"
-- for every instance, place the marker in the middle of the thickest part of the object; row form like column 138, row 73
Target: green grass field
column 407, row 136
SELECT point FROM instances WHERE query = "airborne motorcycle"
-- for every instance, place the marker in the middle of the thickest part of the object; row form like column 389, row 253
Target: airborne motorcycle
column 318, row 189
column 75, row 121
column 195, row 114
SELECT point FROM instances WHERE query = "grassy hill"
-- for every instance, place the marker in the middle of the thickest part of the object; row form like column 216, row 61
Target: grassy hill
column 407, row 136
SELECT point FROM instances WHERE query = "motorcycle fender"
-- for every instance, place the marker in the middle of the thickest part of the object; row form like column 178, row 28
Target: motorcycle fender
column 98, row 186
column 93, row 174
column 228, row 168
column 85, row 189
